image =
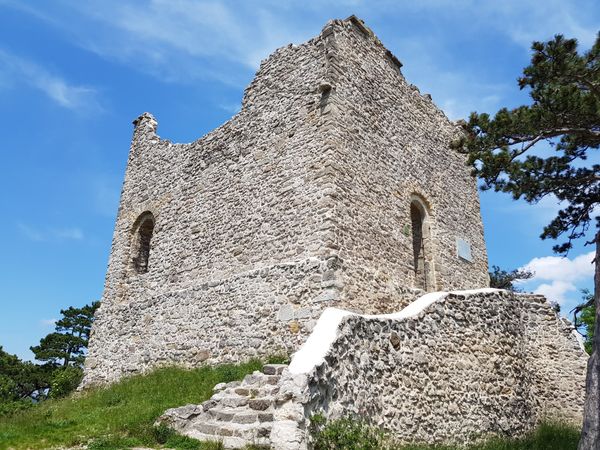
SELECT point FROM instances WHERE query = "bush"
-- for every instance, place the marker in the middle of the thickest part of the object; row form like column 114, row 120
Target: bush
column 162, row 433
column 64, row 381
column 8, row 408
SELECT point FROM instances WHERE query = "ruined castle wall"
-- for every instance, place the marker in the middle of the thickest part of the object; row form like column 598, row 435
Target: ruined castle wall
column 239, row 254
column 393, row 143
column 301, row 201
column 469, row 364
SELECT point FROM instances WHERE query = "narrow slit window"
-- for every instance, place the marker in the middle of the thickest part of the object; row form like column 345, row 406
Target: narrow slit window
column 422, row 245
column 418, row 247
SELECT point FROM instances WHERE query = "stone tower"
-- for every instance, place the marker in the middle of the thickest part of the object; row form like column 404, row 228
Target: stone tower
column 335, row 185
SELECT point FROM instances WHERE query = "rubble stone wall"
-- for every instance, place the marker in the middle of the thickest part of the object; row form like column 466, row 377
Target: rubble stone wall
column 299, row 202
column 393, row 146
column 239, row 251
column 467, row 365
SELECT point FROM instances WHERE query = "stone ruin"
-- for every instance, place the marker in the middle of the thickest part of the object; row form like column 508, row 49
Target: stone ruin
column 334, row 188
column 451, row 367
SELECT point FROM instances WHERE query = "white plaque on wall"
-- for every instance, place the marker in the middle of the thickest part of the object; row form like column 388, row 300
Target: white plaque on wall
column 463, row 248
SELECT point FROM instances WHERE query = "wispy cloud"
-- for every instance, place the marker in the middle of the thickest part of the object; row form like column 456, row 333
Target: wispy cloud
column 50, row 235
column 48, row 322
column 185, row 41
column 538, row 214
column 15, row 69
column 176, row 40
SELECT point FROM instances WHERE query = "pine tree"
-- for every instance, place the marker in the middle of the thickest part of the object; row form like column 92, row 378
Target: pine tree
column 504, row 279
column 67, row 345
column 564, row 86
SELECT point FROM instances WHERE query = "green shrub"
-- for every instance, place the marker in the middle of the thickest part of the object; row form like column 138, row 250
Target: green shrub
column 64, row 381
column 8, row 408
column 162, row 433
column 347, row 433
column 180, row 442
column 112, row 443
column 281, row 358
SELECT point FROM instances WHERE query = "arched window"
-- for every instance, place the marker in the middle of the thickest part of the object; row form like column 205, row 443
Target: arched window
column 142, row 236
column 421, row 245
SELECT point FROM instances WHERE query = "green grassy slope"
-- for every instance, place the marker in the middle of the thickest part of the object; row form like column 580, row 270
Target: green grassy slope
column 122, row 416
column 117, row 416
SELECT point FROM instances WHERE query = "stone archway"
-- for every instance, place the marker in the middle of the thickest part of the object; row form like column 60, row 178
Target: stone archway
column 143, row 230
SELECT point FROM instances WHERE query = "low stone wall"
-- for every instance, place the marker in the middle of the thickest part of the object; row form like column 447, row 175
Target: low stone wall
column 451, row 367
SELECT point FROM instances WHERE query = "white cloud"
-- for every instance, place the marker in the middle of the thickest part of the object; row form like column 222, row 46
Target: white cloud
column 188, row 40
column 50, row 235
column 69, row 233
column 556, row 291
column 556, row 268
column 232, row 108
column 559, row 277
column 539, row 214
column 20, row 70
column 523, row 21
column 30, row 233
column 177, row 40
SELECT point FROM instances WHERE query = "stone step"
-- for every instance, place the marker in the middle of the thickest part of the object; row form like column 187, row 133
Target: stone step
column 229, row 401
column 239, row 415
column 274, row 369
column 258, row 379
column 229, row 442
column 261, row 403
column 218, row 429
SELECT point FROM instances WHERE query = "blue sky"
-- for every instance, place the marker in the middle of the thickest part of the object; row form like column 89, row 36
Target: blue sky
column 73, row 75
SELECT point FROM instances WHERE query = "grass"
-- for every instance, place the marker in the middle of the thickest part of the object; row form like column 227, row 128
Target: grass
column 348, row 434
column 547, row 436
column 121, row 415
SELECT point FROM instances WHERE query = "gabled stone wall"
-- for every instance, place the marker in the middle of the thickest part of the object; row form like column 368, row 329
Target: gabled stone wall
column 452, row 367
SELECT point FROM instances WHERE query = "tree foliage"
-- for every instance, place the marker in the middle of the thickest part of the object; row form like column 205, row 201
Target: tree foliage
column 565, row 113
column 22, row 380
column 505, row 153
column 22, row 383
column 503, row 279
column 584, row 318
column 67, row 345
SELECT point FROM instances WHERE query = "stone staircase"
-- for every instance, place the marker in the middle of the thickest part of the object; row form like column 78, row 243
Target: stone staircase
column 238, row 414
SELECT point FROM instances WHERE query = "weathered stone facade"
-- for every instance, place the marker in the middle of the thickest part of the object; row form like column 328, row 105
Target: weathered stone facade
column 335, row 185
column 451, row 367
column 467, row 365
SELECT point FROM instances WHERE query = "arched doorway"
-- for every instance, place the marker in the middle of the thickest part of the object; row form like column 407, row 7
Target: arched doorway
column 142, row 236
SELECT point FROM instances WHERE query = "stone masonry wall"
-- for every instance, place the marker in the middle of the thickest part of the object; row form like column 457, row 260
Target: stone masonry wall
column 301, row 201
column 469, row 364
column 393, row 144
column 238, row 255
